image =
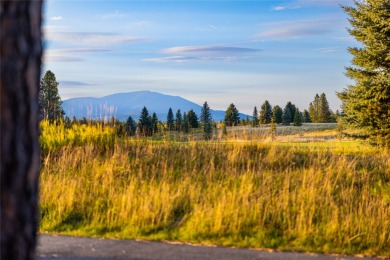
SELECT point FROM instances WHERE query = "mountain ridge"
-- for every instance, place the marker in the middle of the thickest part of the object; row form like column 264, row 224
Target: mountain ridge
column 125, row 104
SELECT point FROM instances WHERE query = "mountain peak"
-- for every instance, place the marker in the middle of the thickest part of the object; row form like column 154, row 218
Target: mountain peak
column 123, row 105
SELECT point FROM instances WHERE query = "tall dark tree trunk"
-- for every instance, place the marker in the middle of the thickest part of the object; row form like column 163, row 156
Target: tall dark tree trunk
column 21, row 49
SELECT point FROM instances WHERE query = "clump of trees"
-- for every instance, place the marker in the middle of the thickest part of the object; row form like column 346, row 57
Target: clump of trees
column 319, row 110
column 366, row 103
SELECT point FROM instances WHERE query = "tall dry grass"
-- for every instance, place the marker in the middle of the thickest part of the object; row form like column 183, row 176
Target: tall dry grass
column 332, row 199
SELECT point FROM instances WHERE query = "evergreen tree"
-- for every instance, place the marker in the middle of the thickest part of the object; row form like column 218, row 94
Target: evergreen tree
column 366, row 103
column 277, row 114
column 192, row 119
column 292, row 110
column 286, row 117
column 179, row 121
column 154, row 123
column 325, row 112
column 144, row 123
column 206, row 120
column 314, row 109
column 130, row 126
column 170, row 120
column 232, row 117
column 255, row 121
column 306, row 116
column 49, row 100
column 74, row 120
column 185, row 123
column 265, row 113
column 297, row 118
column 319, row 109
column 288, row 113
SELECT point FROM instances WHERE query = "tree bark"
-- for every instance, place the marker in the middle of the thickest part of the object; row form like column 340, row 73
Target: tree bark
column 21, row 50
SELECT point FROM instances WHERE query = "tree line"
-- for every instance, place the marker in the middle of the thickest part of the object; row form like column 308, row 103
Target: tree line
column 149, row 124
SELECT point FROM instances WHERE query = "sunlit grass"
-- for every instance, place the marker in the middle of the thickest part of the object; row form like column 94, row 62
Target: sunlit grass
column 331, row 197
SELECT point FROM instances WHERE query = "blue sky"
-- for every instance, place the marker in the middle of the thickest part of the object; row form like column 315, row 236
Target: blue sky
column 241, row 52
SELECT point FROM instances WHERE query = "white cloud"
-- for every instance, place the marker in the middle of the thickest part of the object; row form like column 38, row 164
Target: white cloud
column 56, row 18
column 171, row 59
column 295, row 29
column 181, row 59
column 208, row 28
column 326, row 50
column 296, row 4
column 113, row 15
column 279, row 8
column 92, row 39
column 49, row 58
column 65, row 55
column 208, row 50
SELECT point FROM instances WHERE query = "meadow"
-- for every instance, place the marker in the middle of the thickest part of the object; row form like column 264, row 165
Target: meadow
column 304, row 191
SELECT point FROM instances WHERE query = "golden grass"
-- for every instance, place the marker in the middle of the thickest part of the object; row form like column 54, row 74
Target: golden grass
column 331, row 197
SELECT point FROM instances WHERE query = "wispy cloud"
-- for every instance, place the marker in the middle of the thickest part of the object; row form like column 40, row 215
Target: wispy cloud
column 56, row 18
column 208, row 28
column 295, row 29
column 80, row 50
column 181, row 59
column 93, row 39
column 208, row 50
column 68, row 83
column 48, row 58
column 113, row 15
column 326, row 50
column 205, row 53
column 177, row 59
column 296, row 4
column 65, row 55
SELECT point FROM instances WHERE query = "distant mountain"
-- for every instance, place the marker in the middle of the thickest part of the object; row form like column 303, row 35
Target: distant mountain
column 123, row 105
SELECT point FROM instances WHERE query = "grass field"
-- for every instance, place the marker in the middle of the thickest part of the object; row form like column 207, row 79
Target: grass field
column 243, row 190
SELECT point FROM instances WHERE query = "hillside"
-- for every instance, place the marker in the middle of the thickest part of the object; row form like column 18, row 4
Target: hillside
column 121, row 105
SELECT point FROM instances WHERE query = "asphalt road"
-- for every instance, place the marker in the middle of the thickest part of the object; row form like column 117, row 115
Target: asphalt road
column 78, row 248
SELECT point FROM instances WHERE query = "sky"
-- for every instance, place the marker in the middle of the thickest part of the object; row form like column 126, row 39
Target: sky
column 222, row 52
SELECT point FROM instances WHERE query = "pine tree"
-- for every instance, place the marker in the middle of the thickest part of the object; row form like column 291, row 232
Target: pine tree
column 130, row 126
column 170, row 120
column 306, row 116
column 49, row 99
column 192, row 119
column 324, row 111
column 288, row 113
column 319, row 109
column 178, row 121
column 277, row 114
column 292, row 110
column 286, row 117
column 232, row 116
column 185, row 123
column 297, row 118
column 154, row 123
column 255, row 121
column 314, row 109
column 366, row 103
column 265, row 113
column 206, row 120
column 144, row 123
